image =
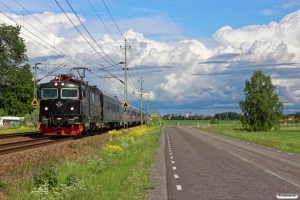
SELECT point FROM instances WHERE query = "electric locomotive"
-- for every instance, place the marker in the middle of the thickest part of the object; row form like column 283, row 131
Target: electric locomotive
column 69, row 106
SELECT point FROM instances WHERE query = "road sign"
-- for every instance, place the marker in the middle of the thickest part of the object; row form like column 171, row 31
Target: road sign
column 125, row 105
column 34, row 102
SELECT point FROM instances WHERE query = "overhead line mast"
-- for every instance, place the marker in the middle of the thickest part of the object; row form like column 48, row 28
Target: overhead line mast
column 141, row 100
column 125, row 87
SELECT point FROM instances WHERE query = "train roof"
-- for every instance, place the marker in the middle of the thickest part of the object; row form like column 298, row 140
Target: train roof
column 113, row 97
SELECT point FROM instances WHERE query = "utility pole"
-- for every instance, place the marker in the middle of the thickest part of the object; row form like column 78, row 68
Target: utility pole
column 141, row 101
column 148, row 106
column 125, row 85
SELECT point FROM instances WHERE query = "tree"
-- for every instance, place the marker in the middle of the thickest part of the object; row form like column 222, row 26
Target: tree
column 297, row 115
column 12, row 47
column 16, row 85
column 261, row 108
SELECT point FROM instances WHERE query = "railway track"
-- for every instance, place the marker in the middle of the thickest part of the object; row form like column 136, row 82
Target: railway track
column 10, row 147
column 24, row 134
column 29, row 144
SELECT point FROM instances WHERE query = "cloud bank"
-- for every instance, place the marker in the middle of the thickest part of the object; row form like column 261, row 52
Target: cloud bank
column 185, row 73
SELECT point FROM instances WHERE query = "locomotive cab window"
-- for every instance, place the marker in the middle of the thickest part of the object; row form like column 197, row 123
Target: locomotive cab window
column 49, row 93
column 69, row 93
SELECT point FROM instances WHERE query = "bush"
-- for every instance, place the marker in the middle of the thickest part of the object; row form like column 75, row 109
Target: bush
column 213, row 121
column 46, row 176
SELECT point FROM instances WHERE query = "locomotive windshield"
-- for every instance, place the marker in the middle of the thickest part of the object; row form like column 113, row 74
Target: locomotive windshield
column 49, row 93
column 69, row 93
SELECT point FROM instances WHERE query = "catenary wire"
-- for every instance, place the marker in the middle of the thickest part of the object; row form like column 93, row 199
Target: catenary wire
column 112, row 18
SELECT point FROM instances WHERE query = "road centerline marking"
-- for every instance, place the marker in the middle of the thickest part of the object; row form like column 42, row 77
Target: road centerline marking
column 178, row 187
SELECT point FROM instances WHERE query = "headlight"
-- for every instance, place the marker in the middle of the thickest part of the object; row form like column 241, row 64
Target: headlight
column 62, row 84
column 55, row 84
column 72, row 108
column 46, row 108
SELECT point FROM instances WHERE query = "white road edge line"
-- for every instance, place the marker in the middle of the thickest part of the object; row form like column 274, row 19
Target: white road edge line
column 240, row 157
column 282, row 178
column 266, row 170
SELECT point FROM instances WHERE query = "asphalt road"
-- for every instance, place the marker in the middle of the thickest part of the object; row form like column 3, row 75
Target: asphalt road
column 204, row 165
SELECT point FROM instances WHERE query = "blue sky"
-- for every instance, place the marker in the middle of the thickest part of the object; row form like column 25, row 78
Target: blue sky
column 194, row 55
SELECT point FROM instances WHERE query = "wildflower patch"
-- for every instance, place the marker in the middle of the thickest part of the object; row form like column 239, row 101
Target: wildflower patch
column 113, row 149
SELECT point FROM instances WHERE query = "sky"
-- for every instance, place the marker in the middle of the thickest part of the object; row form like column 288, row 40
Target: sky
column 193, row 55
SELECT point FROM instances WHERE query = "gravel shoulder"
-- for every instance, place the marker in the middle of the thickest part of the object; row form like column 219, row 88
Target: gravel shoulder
column 158, row 173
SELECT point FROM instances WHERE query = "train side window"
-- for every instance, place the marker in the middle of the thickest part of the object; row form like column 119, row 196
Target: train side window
column 83, row 94
column 93, row 97
column 109, row 106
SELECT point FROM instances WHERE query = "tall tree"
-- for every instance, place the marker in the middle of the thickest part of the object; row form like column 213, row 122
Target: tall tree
column 16, row 86
column 262, row 108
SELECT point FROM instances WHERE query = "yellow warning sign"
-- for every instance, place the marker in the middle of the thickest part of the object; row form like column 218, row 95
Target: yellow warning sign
column 34, row 102
column 125, row 105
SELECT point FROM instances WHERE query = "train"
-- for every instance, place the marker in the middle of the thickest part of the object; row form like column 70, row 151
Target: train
column 68, row 106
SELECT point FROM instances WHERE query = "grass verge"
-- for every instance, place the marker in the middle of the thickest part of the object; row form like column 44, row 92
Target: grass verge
column 287, row 138
column 119, row 171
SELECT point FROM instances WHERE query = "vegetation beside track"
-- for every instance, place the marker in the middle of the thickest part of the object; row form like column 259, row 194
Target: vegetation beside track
column 119, row 171
column 287, row 138
column 16, row 129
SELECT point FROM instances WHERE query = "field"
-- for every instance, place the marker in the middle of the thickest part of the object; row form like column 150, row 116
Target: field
column 287, row 138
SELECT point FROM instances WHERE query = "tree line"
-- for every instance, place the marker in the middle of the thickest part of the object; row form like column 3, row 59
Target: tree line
column 218, row 116
column 16, row 85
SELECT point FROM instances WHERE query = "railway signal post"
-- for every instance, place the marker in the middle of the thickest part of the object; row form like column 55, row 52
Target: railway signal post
column 34, row 102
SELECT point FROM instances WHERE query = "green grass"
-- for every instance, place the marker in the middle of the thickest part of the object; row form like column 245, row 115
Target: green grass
column 109, row 175
column 8, row 130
